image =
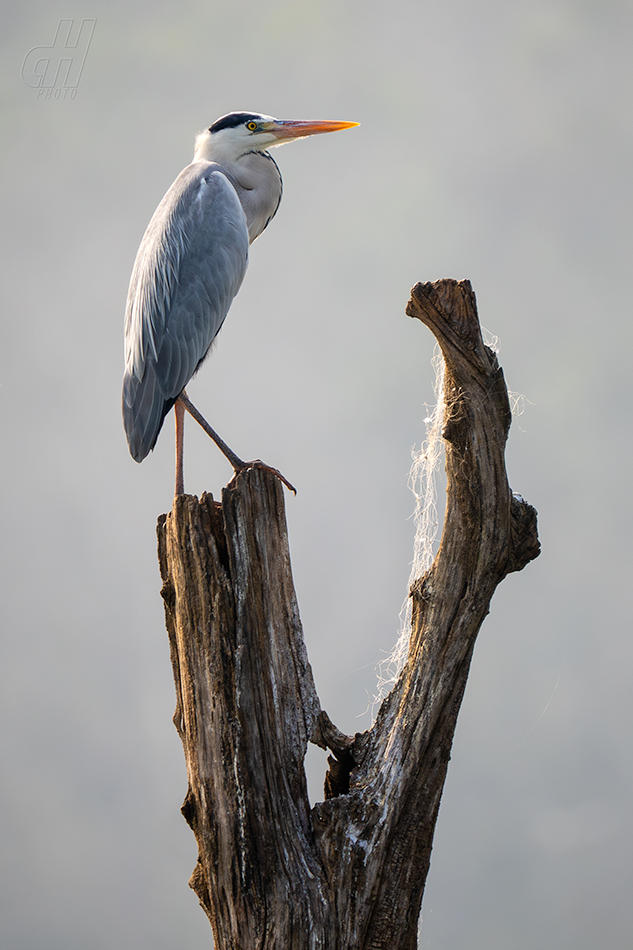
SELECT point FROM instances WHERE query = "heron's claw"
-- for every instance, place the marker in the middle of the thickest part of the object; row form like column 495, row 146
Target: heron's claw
column 257, row 463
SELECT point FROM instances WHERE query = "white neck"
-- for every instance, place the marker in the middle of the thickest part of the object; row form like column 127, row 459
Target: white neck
column 252, row 172
column 208, row 148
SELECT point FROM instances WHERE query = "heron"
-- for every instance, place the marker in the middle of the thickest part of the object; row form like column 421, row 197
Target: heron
column 190, row 265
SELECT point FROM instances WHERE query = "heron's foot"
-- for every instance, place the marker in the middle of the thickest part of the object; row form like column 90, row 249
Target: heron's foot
column 238, row 464
column 257, row 463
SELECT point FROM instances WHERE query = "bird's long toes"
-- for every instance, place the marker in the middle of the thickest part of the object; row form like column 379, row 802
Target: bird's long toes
column 257, row 463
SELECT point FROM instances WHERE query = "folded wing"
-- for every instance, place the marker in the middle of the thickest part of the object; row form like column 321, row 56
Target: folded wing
column 188, row 269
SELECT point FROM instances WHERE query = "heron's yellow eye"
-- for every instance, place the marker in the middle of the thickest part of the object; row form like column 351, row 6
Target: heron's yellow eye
column 251, row 126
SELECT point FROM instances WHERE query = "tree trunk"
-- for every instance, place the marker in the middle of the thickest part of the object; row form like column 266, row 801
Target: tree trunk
column 348, row 874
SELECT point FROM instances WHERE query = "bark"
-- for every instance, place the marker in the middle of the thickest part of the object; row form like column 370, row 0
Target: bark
column 349, row 873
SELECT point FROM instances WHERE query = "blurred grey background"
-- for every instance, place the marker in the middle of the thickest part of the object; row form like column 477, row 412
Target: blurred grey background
column 495, row 144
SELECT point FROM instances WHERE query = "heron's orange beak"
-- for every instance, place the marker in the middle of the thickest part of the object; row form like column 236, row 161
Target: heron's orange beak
column 285, row 130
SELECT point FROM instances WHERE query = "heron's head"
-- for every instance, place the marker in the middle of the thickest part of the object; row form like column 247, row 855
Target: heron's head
column 237, row 133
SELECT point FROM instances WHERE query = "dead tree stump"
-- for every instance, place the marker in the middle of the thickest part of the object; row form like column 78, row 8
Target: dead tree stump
column 272, row 872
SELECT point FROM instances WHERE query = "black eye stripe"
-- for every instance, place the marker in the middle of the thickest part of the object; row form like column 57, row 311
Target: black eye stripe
column 232, row 120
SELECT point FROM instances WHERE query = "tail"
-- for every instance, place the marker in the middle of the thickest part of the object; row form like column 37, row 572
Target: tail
column 144, row 410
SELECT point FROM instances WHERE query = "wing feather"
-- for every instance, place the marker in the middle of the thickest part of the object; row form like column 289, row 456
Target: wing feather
column 188, row 269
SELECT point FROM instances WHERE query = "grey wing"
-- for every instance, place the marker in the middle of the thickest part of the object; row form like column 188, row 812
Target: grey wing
column 188, row 269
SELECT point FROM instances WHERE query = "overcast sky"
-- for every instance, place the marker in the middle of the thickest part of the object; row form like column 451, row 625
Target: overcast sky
column 495, row 144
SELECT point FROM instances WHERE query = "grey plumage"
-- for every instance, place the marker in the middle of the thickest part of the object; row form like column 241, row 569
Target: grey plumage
column 188, row 269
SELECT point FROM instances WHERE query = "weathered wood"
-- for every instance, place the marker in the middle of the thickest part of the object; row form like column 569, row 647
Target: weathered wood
column 246, row 705
column 348, row 874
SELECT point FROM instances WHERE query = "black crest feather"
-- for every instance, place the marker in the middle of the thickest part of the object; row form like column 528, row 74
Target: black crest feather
column 232, row 120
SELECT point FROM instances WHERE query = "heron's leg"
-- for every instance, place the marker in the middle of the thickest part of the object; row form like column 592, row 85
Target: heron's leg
column 237, row 463
column 183, row 402
column 179, row 411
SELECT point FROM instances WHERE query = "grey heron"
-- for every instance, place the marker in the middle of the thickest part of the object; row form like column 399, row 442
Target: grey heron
column 190, row 265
